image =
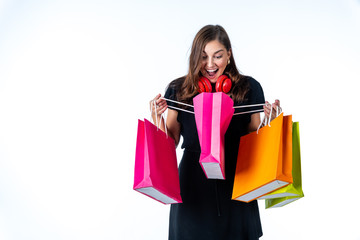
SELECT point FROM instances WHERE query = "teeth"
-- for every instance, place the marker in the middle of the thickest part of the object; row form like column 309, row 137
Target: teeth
column 211, row 70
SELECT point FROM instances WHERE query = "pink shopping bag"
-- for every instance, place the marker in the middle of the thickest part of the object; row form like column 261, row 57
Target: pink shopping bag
column 213, row 113
column 156, row 172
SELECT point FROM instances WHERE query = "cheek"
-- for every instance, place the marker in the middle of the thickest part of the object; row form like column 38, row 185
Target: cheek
column 221, row 61
column 222, row 64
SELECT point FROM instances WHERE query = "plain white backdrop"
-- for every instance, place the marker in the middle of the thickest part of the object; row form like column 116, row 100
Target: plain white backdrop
column 76, row 75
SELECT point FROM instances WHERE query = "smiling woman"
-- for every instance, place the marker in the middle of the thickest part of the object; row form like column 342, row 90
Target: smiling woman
column 74, row 79
column 215, row 58
column 207, row 211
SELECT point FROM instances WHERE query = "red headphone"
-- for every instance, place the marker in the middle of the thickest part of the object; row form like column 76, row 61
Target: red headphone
column 223, row 84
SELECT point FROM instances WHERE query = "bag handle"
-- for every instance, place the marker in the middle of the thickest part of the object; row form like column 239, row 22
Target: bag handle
column 161, row 117
column 266, row 121
column 235, row 107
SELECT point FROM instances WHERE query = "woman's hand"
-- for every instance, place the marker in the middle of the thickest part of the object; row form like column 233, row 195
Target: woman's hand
column 161, row 106
column 274, row 106
column 172, row 125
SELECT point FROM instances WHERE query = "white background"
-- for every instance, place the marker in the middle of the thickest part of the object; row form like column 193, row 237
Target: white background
column 76, row 75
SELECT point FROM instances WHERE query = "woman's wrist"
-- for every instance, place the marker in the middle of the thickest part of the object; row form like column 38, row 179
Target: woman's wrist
column 156, row 117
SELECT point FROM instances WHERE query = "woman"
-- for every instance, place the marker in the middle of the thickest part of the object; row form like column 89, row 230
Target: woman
column 207, row 211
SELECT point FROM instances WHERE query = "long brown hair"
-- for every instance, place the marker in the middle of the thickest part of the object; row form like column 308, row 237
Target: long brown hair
column 190, row 87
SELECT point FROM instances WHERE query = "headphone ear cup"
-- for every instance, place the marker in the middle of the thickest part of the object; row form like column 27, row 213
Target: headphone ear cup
column 204, row 85
column 227, row 84
column 223, row 84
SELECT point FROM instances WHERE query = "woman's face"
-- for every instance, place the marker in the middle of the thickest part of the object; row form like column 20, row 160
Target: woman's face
column 214, row 60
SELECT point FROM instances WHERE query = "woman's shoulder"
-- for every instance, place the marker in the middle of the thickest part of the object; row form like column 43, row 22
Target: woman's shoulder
column 176, row 83
column 253, row 83
column 256, row 93
column 173, row 87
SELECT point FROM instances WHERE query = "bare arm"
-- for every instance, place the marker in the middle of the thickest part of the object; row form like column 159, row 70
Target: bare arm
column 173, row 126
column 255, row 122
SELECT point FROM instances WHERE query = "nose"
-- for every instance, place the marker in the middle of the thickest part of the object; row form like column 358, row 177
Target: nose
column 210, row 63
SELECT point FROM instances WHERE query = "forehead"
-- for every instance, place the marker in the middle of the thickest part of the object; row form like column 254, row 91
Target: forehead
column 213, row 47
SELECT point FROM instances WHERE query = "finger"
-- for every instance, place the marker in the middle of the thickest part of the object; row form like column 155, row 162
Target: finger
column 155, row 98
column 267, row 104
column 275, row 106
column 162, row 110
column 161, row 102
column 151, row 104
column 277, row 102
column 267, row 109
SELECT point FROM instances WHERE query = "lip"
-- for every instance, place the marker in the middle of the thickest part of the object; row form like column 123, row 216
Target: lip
column 211, row 73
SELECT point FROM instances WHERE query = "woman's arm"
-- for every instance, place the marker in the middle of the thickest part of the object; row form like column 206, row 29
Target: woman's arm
column 173, row 126
column 255, row 122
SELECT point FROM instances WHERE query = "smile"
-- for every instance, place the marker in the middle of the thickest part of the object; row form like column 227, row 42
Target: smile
column 212, row 72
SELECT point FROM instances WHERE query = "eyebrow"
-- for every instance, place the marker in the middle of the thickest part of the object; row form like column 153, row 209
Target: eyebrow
column 221, row 50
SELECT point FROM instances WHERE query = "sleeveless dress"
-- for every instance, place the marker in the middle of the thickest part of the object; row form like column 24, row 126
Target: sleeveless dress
column 207, row 211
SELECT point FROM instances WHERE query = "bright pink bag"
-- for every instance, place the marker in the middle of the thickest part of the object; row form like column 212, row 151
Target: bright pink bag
column 156, row 171
column 213, row 113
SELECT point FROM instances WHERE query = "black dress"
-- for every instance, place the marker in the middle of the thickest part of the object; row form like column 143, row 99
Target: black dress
column 207, row 211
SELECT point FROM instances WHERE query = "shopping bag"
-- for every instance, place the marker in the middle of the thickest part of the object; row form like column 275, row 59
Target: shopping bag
column 213, row 113
column 293, row 191
column 156, row 171
column 264, row 160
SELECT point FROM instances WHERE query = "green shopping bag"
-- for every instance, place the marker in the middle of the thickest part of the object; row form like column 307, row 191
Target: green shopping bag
column 292, row 191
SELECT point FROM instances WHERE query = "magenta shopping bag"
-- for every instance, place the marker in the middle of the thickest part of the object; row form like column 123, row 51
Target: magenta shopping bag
column 156, row 171
column 213, row 113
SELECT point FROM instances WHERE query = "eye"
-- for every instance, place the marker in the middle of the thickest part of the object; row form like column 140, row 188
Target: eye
column 204, row 57
column 218, row 57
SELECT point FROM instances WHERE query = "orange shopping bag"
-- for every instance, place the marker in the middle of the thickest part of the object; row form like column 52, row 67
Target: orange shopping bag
column 264, row 161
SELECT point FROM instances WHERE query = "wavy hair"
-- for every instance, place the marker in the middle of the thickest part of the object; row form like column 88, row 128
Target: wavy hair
column 189, row 87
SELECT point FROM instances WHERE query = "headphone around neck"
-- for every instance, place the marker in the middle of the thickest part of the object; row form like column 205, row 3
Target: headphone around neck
column 223, row 84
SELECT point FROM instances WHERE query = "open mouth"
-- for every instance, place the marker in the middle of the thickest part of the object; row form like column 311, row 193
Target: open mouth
column 212, row 73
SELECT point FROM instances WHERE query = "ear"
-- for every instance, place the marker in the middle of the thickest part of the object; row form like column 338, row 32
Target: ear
column 229, row 53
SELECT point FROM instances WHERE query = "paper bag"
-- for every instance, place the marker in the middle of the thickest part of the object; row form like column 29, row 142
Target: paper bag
column 156, row 172
column 213, row 113
column 264, row 160
column 293, row 191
